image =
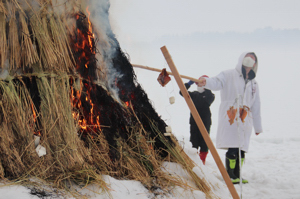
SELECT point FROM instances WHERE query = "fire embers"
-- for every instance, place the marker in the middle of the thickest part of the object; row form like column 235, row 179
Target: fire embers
column 96, row 112
column 163, row 77
column 85, row 113
column 84, row 48
column 231, row 113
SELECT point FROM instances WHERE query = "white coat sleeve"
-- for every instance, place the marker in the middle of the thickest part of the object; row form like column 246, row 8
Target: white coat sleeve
column 215, row 83
column 256, row 113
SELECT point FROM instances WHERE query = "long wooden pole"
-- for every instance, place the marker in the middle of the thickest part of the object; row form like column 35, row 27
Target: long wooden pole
column 199, row 123
column 159, row 70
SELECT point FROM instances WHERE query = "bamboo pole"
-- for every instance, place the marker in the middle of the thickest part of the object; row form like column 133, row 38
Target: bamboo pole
column 199, row 123
column 159, row 70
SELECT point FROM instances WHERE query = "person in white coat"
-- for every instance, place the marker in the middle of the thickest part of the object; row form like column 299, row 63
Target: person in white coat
column 238, row 87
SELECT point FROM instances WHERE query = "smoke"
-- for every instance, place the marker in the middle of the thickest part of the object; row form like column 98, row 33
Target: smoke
column 107, row 44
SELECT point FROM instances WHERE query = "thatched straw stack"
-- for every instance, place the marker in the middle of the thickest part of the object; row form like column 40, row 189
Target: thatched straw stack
column 35, row 37
column 35, row 98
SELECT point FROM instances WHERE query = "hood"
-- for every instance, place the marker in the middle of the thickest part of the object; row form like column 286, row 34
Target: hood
column 241, row 70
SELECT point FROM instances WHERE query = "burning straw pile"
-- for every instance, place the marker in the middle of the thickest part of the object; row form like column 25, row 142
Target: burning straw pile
column 72, row 111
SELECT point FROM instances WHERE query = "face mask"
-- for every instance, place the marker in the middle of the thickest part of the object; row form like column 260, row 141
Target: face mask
column 248, row 62
column 200, row 89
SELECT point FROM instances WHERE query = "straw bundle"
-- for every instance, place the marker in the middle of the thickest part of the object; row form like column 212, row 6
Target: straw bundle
column 99, row 150
column 59, row 132
column 3, row 45
column 34, row 36
column 61, row 42
column 29, row 54
column 46, row 46
column 67, row 158
column 16, row 126
column 13, row 39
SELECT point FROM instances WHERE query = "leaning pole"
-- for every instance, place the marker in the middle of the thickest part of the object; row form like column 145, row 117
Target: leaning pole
column 199, row 122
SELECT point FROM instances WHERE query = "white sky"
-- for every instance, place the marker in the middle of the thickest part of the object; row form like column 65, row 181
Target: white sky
column 149, row 19
column 138, row 22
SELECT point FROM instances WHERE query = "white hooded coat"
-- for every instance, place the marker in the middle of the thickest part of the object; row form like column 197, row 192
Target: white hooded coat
column 231, row 84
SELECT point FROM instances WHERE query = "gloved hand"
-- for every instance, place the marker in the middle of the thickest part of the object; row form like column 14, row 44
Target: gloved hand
column 190, row 82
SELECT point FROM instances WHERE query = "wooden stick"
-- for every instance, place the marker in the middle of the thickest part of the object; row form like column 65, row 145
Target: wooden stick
column 199, row 123
column 159, row 70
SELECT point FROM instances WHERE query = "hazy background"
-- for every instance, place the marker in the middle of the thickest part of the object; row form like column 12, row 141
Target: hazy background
column 207, row 37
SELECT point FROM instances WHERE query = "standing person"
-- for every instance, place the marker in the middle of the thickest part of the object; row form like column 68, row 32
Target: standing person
column 202, row 98
column 235, row 135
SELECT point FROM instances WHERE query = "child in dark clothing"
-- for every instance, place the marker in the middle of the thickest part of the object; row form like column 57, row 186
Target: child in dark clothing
column 202, row 99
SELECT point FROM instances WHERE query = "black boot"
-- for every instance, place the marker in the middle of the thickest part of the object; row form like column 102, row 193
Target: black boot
column 237, row 169
column 230, row 165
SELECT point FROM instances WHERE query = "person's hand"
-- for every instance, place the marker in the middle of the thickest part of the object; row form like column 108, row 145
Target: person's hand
column 201, row 82
column 190, row 82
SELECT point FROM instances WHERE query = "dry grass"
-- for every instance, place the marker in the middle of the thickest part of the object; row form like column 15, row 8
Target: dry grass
column 61, row 42
column 3, row 45
column 45, row 44
column 67, row 159
column 29, row 54
column 13, row 41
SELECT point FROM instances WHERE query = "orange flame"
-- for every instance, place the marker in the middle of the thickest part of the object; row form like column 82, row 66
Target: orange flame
column 85, row 41
column 37, row 133
column 87, row 120
column 33, row 112
column 85, row 113
column 90, row 37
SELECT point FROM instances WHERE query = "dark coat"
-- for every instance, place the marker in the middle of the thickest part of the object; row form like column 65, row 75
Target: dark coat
column 202, row 103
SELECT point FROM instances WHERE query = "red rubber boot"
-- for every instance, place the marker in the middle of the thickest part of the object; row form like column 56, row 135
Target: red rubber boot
column 203, row 155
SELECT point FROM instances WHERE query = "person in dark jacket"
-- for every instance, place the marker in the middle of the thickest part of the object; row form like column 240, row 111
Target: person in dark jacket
column 202, row 98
